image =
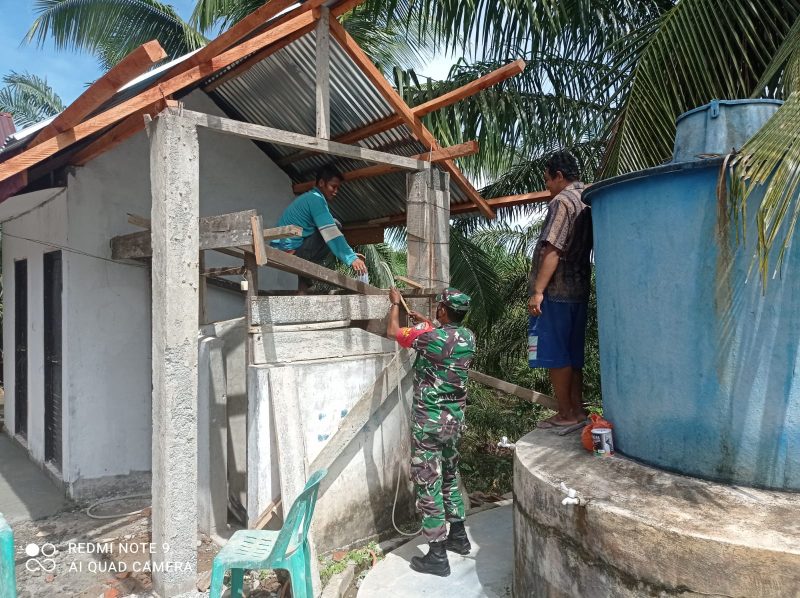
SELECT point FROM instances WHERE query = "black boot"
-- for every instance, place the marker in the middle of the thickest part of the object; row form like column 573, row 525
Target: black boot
column 457, row 540
column 434, row 563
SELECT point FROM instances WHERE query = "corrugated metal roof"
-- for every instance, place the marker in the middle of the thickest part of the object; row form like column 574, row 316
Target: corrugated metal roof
column 354, row 103
column 279, row 92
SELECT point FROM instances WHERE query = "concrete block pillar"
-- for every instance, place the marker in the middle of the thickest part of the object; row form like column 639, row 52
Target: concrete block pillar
column 175, row 181
column 428, row 217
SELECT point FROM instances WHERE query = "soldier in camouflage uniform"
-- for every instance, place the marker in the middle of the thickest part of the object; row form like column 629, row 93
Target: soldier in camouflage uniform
column 444, row 354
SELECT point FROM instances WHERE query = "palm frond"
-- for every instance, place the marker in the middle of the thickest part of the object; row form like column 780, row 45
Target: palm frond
column 519, row 26
column 768, row 164
column 386, row 43
column 473, row 270
column 29, row 98
column 516, row 241
column 208, row 14
column 520, row 117
column 699, row 51
column 111, row 29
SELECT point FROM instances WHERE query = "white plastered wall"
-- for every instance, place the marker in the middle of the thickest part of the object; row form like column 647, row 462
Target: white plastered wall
column 106, row 305
column 26, row 238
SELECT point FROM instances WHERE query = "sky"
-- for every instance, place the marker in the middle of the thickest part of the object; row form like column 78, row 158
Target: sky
column 69, row 72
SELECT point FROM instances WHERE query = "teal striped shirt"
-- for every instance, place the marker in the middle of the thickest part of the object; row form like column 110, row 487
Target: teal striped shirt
column 310, row 211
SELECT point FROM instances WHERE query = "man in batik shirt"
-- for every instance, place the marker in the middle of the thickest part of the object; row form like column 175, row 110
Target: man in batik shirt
column 444, row 354
column 560, row 279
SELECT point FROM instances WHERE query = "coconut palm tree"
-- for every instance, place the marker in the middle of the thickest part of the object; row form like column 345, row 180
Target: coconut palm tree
column 111, row 29
column 29, row 99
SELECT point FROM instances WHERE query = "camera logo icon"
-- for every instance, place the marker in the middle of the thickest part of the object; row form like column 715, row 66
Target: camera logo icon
column 40, row 558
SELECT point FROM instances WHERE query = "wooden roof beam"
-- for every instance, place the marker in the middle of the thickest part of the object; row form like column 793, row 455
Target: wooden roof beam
column 119, row 133
column 371, row 226
column 454, row 151
column 297, row 140
column 237, row 32
column 134, row 64
column 385, row 124
column 404, row 111
column 44, row 150
column 508, row 201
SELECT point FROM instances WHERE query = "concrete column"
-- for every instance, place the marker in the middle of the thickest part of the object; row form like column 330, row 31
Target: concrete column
column 175, row 181
column 428, row 211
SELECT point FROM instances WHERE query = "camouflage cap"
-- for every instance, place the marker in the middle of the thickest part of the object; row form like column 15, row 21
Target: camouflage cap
column 454, row 299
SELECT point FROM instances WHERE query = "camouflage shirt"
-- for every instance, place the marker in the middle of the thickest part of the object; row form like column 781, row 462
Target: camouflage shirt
column 440, row 370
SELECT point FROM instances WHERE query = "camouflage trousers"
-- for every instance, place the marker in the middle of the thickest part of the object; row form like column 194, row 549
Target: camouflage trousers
column 434, row 471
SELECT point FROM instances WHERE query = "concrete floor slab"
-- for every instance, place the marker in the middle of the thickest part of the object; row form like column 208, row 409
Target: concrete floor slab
column 25, row 490
column 487, row 571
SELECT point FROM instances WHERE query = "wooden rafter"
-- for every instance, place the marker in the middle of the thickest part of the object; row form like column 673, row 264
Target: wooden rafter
column 455, row 151
column 506, row 202
column 47, row 148
column 239, row 31
column 257, row 57
column 370, row 227
column 102, row 90
column 119, row 133
column 404, row 111
column 442, row 101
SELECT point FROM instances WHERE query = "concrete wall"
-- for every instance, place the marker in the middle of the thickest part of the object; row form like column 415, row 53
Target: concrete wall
column 357, row 496
column 107, row 389
column 232, row 424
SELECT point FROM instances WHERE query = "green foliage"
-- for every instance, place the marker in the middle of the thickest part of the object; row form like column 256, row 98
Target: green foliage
column 491, row 415
column 387, row 41
column 689, row 57
column 111, row 29
column 360, row 557
column 28, row 98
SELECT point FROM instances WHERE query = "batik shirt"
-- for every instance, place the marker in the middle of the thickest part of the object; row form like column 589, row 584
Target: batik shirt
column 568, row 228
column 440, row 371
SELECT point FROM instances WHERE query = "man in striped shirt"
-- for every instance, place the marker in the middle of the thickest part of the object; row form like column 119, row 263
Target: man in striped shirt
column 321, row 233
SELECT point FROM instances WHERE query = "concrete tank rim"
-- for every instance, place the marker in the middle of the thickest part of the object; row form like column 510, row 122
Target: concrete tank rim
column 644, row 528
column 778, row 103
column 607, row 501
column 667, row 168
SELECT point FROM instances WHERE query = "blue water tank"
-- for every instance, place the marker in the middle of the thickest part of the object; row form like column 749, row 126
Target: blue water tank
column 700, row 366
column 719, row 127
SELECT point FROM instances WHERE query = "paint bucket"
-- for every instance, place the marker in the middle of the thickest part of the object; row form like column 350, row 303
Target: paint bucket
column 603, row 442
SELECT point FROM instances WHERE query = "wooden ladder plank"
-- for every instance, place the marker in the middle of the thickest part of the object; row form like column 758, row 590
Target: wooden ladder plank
column 513, row 389
column 295, row 265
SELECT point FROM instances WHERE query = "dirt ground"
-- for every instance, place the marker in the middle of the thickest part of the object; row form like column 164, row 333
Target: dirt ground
column 84, row 557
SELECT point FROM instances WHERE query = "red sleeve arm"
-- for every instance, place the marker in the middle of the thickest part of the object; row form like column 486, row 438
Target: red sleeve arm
column 407, row 336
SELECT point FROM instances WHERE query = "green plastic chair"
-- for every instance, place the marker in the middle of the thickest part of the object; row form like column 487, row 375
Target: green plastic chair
column 8, row 582
column 263, row 549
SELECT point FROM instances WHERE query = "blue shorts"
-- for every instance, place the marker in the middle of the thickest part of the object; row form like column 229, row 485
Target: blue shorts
column 556, row 338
